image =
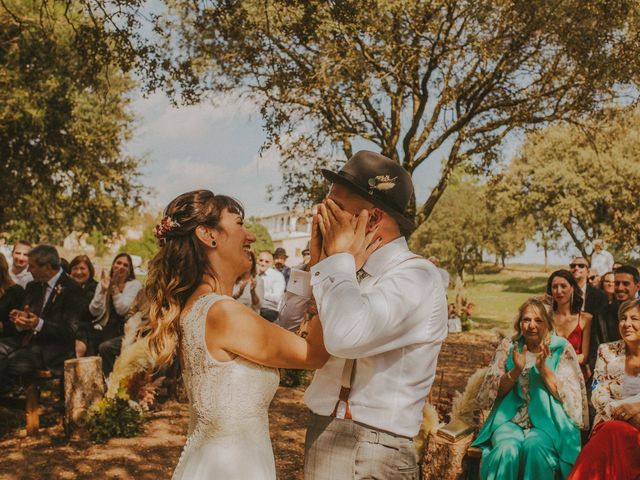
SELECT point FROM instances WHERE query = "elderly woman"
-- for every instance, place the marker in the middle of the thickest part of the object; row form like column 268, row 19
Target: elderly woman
column 538, row 400
column 82, row 271
column 614, row 448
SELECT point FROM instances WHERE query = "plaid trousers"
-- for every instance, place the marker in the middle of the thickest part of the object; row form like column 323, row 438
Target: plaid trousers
column 338, row 449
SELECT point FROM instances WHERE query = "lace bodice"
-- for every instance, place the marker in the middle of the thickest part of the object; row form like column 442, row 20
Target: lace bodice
column 228, row 400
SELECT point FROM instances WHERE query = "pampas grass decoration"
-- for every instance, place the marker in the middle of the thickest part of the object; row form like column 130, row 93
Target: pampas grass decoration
column 132, row 359
column 464, row 406
column 430, row 422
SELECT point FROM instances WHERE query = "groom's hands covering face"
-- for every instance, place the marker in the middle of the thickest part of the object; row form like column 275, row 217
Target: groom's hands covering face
column 343, row 232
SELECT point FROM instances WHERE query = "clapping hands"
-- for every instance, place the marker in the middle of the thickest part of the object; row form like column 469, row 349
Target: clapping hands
column 24, row 319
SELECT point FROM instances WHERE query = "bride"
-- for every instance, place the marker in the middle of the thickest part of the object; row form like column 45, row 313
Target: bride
column 228, row 353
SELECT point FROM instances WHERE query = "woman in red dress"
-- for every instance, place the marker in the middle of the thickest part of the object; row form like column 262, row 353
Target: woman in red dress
column 568, row 319
column 613, row 452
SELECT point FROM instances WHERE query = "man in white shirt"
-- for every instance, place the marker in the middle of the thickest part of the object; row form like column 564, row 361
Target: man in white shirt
column 601, row 260
column 383, row 321
column 274, row 285
column 19, row 263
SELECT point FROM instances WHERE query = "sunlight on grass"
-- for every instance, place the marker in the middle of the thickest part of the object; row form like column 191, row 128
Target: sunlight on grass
column 498, row 296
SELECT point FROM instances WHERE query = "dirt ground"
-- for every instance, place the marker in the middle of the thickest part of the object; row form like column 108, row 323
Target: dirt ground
column 154, row 454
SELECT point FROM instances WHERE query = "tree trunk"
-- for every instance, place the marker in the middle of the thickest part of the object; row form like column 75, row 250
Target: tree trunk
column 546, row 257
column 83, row 385
column 443, row 459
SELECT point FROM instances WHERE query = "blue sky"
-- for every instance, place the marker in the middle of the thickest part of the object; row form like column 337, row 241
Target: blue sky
column 216, row 146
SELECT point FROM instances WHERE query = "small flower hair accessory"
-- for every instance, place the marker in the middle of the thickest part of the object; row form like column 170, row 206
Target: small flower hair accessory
column 166, row 225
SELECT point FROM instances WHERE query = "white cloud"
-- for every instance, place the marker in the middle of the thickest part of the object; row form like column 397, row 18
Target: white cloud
column 182, row 175
column 159, row 119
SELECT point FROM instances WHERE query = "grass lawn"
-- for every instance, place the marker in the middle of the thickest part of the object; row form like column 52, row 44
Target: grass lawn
column 498, row 296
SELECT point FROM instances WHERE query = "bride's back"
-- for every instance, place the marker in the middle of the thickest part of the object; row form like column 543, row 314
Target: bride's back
column 225, row 397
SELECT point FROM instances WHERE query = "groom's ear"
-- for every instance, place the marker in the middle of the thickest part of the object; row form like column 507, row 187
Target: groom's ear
column 375, row 216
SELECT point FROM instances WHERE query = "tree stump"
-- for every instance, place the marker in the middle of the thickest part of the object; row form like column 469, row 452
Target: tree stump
column 443, row 459
column 83, row 385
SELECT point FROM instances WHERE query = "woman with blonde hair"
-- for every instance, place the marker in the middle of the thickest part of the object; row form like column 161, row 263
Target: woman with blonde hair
column 229, row 354
column 613, row 451
column 538, row 402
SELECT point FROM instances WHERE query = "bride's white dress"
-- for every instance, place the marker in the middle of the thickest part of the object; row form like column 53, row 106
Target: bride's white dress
column 228, row 437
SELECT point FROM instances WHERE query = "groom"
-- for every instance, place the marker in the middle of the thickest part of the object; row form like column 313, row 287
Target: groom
column 383, row 322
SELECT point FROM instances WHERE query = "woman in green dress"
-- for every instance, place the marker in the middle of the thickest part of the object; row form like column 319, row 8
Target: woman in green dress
column 538, row 402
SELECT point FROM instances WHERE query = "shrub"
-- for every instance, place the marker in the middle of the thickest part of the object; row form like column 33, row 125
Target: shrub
column 117, row 416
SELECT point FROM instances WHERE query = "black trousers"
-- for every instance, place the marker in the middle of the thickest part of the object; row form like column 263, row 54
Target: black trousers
column 268, row 314
column 109, row 350
column 16, row 360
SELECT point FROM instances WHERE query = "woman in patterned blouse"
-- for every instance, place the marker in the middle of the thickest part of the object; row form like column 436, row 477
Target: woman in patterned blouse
column 614, row 448
column 536, row 391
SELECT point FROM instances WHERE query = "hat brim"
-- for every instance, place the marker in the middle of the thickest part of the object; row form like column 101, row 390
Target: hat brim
column 404, row 221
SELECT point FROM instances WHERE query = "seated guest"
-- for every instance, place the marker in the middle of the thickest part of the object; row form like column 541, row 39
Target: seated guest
column 614, row 448
column 249, row 290
column 607, row 285
column 274, row 286
column 538, row 400
column 11, row 295
column 111, row 303
column 46, row 324
column 19, row 270
column 568, row 320
column 82, row 271
column 594, row 298
column 605, row 329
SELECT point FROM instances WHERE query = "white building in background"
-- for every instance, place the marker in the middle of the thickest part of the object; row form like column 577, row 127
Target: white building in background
column 289, row 230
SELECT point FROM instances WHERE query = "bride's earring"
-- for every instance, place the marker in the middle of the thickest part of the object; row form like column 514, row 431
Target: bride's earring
column 214, row 244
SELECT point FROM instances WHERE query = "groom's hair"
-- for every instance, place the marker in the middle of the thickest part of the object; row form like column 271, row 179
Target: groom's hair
column 45, row 255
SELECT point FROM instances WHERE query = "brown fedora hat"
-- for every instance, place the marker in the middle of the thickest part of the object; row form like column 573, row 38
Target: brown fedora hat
column 379, row 180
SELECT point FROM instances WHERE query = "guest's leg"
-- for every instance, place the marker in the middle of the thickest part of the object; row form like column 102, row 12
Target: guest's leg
column 612, row 452
column 540, row 458
column 329, row 449
column 503, row 461
column 109, row 351
column 25, row 360
column 7, row 347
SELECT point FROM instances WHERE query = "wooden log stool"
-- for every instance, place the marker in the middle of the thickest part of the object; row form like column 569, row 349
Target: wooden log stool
column 443, row 459
column 83, row 385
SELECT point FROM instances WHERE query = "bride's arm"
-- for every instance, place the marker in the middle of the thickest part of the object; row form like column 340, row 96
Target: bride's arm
column 237, row 329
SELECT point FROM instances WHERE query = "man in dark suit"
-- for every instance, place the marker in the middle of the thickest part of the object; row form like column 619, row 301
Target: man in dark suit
column 604, row 328
column 594, row 298
column 54, row 306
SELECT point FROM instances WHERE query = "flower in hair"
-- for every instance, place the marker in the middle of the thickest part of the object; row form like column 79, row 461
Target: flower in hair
column 166, row 225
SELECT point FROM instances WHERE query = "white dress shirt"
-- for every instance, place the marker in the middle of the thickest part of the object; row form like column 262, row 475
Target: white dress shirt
column 50, row 285
column 21, row 278
column 601, row 262
column 393, row 323
column 274, row 285
column 121, row 301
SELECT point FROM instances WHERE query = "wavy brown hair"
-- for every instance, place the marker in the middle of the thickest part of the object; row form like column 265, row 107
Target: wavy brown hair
column 181, row 266
column 5, row 278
